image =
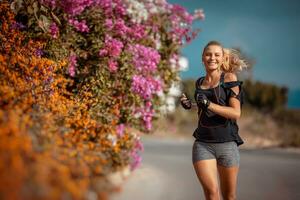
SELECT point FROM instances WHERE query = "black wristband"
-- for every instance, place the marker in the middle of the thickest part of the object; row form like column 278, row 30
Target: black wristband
column 206, row 103
column 186, row 105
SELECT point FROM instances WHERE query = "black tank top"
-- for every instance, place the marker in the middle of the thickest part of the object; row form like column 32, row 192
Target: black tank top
column 211, row 126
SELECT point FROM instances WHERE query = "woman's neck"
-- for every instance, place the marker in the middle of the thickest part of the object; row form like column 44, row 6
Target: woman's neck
column 212, row 76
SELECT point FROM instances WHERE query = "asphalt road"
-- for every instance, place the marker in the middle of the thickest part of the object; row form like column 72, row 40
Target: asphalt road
column 167, row 173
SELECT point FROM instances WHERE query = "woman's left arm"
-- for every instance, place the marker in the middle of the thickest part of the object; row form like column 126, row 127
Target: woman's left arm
column 233, row 111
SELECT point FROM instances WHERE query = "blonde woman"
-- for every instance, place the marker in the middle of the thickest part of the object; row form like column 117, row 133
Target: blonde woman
column 218, row 97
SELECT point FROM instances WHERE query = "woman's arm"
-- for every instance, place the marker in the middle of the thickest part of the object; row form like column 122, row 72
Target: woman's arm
column 233, row 111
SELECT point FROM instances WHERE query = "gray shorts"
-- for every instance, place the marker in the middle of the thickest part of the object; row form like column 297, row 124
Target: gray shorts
column 227, row 153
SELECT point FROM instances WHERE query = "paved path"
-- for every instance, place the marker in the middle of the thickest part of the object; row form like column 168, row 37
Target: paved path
column 167, row 174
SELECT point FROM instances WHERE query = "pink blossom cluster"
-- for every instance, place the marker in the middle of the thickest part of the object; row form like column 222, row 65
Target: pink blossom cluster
column 145, row 59
column 53, row 29
column 136, row 159
column 199, row 14
column 153, row 6
column 145, row 86
column 181, row 22
column 72, row 65
column 119, row 9
column 112, row 47
column 109, row 24
column 137, row 31
column 120, row 130
column 134, row 31
column 118, row 26
column 139, row 145
column 147, row 113
column 70, row 7
column 106, row 6
column 179, row 14
column 112, row 7
column 75, row 7
column 79, row 26
column 179, row 33
column 174, row 61
column 112, row 65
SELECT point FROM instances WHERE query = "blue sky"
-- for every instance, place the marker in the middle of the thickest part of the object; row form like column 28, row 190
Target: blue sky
column 266, row 30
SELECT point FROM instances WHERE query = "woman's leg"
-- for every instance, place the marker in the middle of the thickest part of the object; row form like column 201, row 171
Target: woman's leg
column 228, row 181
column 228, row 159
column 207, row 173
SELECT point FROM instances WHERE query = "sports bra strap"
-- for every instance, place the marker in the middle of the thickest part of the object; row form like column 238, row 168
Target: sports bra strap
column 222, row 78
column 198, row 82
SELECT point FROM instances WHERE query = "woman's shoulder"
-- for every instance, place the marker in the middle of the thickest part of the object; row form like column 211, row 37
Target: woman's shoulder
column 199, row 81
column 230, row 77
column 231, row 80
column 200, row 78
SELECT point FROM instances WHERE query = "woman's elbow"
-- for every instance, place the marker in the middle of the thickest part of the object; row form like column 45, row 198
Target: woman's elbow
column 236, row 115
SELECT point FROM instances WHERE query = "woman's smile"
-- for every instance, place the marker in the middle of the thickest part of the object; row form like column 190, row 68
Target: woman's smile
column 212, row 57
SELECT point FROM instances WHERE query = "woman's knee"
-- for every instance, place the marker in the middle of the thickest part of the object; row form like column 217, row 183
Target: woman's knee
column 212, row 191
column 229, row 196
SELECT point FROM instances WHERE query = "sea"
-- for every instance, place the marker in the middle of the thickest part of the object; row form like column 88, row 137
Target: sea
column 294, row 99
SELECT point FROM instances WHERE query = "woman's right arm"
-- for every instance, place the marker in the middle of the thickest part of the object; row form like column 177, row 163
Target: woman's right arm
column 233, row 110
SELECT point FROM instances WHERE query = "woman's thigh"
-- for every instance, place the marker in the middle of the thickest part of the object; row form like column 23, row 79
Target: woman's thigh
column 228, row 180
column 205, row 165
column 228, row 160
column 207, row 174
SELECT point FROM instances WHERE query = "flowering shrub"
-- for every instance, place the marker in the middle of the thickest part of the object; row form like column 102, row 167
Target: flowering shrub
column 79, row 79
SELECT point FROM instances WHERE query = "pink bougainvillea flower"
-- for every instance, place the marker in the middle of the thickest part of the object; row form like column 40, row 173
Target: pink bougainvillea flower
column 199, row 14
column 72, row 65
column 146, row 113
column 112, row 47
column 145, row 59
column 120, row 130
column 54, row 30
column 112, row 66
column 79, row 26
column 145, row 86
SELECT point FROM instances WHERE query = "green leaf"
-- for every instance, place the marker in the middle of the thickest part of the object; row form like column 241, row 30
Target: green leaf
column 16, row 6
column 29, row 10
column 44, row 9
column 56, row 19
column 35, row 7
column 31, row 21
column 44, row 21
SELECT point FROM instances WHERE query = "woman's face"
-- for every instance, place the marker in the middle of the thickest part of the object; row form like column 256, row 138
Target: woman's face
column 212, row 57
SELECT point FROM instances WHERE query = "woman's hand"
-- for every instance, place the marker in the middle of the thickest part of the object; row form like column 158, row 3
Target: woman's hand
column 202, row 101
column 185, row 102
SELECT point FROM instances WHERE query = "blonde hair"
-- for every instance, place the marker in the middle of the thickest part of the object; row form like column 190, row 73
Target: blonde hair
column 232, row 61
